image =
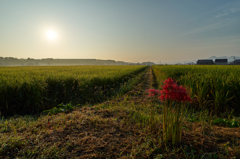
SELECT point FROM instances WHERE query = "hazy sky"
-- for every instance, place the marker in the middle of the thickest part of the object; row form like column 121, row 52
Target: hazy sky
column 121, row 30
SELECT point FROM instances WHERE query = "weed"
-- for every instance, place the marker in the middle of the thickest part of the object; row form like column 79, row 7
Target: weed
column 224, row 122
column 60, row 108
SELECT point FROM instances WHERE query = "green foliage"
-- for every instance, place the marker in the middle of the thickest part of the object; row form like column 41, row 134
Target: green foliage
column 192, row 118
column 28, row 90
column 61, row 108
column 224, row 122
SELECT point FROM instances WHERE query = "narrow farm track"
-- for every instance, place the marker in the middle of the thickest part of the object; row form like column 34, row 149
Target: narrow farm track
column 139, row 94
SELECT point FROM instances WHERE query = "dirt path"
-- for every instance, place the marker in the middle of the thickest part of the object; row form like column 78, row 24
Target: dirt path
column 139, row 94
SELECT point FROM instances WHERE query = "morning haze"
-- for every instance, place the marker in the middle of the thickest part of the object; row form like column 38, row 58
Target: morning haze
column 129, row 31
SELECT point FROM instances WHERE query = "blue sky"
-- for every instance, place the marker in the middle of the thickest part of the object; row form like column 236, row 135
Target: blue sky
column 124, row 30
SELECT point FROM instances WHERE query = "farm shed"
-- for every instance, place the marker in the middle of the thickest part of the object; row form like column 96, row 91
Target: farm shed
column 205, row 62
column 221, row 61
column 236, row 62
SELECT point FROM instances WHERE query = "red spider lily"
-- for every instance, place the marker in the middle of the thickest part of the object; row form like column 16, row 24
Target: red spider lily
column 174, row 92
column 169, row 81
column 153, row 92
column 172, row 122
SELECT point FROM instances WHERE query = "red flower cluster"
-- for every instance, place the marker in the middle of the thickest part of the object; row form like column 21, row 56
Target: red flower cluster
column 171, row 91
column 153, row 92
column 174, row 92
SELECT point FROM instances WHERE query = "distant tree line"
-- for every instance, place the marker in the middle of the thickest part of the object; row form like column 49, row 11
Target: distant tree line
column 11, row 61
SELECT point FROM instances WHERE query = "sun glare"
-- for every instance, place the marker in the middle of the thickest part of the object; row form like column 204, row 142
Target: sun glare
column 51, row 34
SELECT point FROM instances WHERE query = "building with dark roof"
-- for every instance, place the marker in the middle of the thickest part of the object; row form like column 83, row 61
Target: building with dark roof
column 205, row 62
column 221, row 61
column 236, row 62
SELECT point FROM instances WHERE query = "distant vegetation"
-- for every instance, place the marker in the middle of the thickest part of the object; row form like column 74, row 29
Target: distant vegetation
column 11, row 61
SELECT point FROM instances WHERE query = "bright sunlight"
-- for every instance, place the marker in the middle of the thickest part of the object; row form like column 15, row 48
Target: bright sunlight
column 51, row 34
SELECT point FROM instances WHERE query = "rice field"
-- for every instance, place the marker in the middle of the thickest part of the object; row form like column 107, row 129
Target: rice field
column 26, row 90
column 215, row 88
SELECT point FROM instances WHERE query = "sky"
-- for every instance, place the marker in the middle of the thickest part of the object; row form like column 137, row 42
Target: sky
column 161, row 31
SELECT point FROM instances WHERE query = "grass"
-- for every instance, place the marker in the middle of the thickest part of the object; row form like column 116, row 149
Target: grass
column 113, row 130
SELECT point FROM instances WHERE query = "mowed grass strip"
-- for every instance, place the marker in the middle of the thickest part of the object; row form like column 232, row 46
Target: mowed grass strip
column 112, row 130
column 84, row 133
column 25, row 90
column 215, row 88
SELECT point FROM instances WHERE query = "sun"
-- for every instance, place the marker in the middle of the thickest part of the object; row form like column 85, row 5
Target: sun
column 51, row 35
